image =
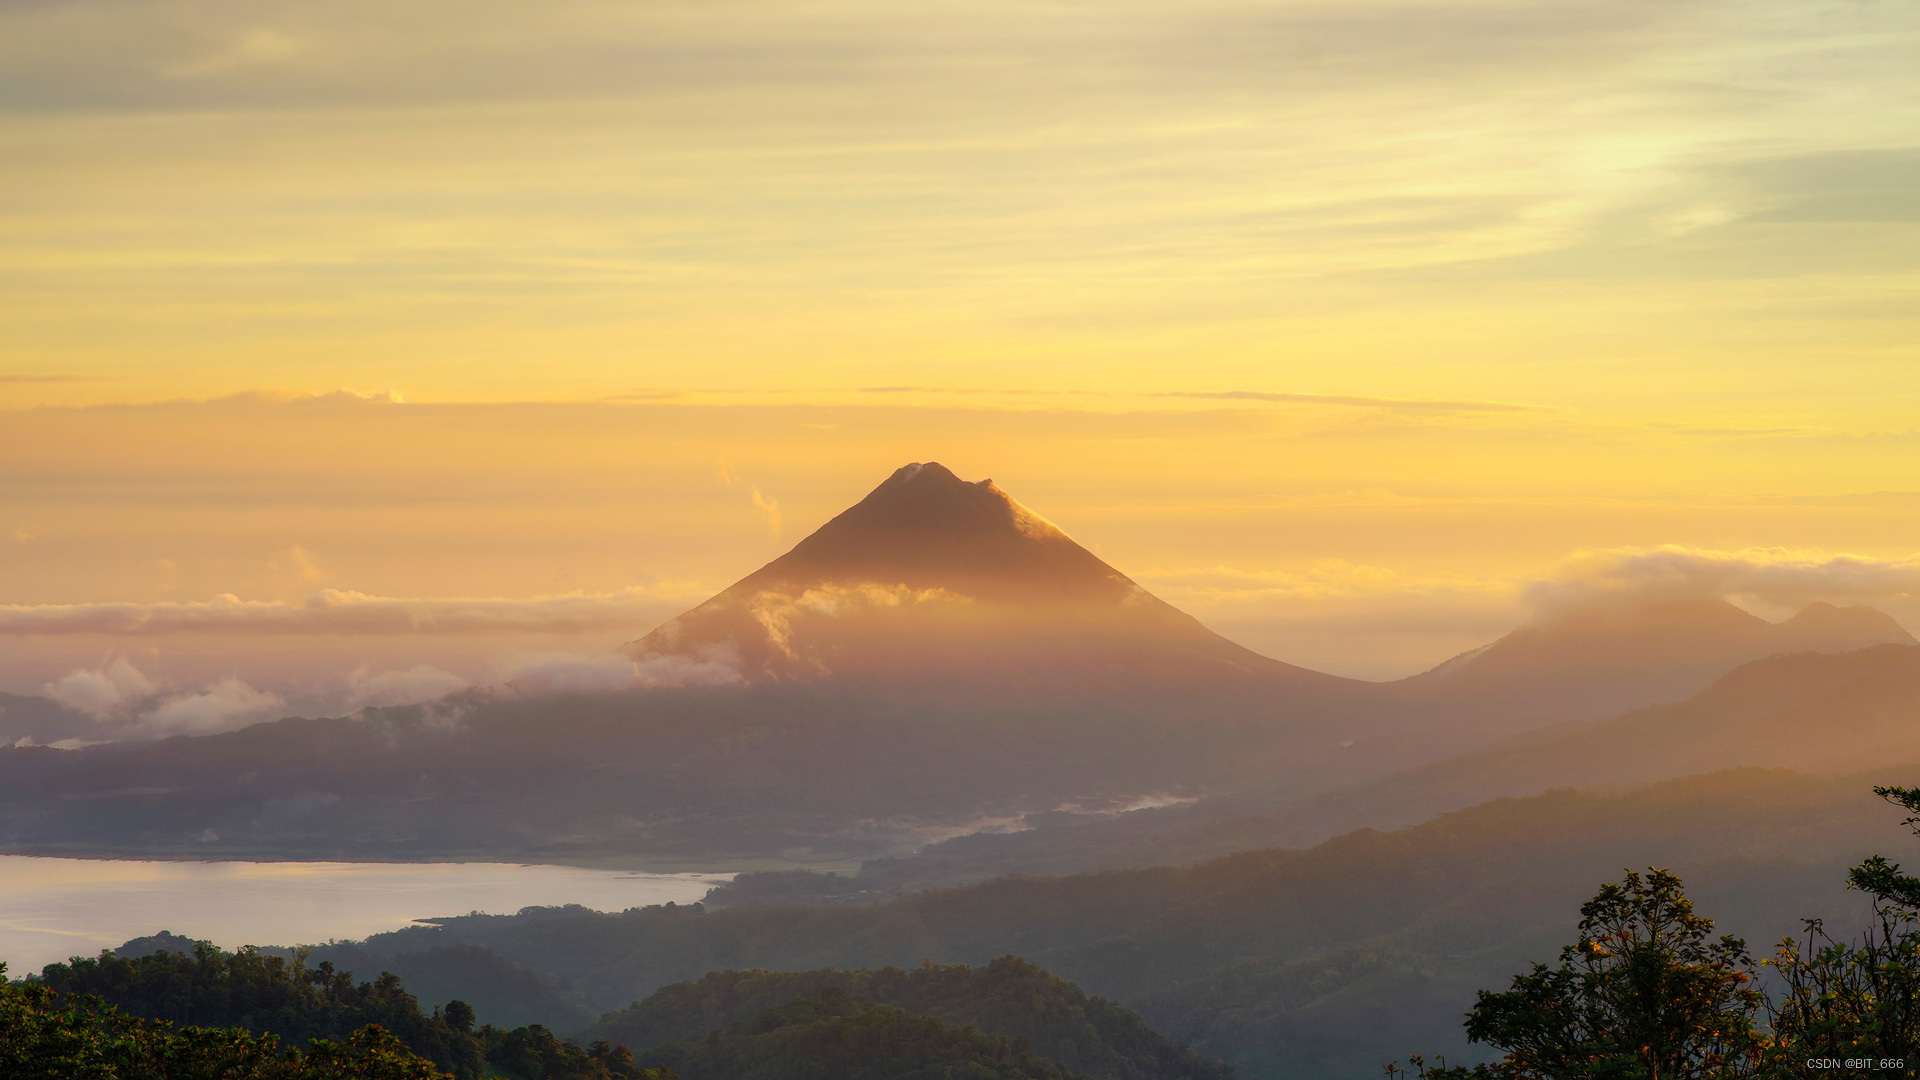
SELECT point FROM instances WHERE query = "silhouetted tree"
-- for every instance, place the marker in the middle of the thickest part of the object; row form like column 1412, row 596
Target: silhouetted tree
column 1858, row 1000
column 1643, row 994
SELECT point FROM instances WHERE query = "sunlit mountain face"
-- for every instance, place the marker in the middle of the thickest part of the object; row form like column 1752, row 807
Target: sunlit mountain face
column 934, row 581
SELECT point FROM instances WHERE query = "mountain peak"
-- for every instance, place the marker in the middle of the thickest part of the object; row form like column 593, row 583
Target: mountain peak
column 926, row 528
column 1824, row 627
column 932, row 573
column 928, row 497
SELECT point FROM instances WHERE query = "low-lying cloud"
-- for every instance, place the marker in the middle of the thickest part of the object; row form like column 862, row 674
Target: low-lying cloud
column 413, row 686
column 113, row 689
column 125, row 702
column 228, row 704
column 1774, row 576
column 608, row 673
column 340, row 611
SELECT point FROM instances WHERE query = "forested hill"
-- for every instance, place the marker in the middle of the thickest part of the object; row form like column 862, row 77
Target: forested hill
column 1008, row 1020
column 1008, row 997
column 1314, row 964
column 270, row 996
column 834, row 1035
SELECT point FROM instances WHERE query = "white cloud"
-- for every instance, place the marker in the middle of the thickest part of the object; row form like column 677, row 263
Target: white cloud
column 104, row 692
column 1775, row 576
column 420, row 683
column 775, row 611
column 115, row 693
column 572, row 673
column 228, row 704
column 340, row 611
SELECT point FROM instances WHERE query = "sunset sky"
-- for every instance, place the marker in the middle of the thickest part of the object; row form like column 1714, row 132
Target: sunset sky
column 1341, row 325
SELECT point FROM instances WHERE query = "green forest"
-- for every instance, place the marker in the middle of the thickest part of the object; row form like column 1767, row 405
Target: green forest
column 157, row 1002
column 1288, row 964
column 1646, row 990
column 169, row 1015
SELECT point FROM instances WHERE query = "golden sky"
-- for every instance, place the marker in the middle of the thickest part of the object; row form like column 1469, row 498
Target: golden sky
column 1335, row 323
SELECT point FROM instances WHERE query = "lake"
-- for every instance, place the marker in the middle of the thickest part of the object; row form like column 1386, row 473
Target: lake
column 51, row 909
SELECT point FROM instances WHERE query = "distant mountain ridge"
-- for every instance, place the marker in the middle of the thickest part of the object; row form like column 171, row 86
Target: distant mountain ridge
column 1614, row 654
column 935, row 584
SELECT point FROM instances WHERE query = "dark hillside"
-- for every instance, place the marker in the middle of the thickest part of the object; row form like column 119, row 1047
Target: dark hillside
column 832, row 1035
column 270, row 995
column 1286, row 963
column 1008, row 997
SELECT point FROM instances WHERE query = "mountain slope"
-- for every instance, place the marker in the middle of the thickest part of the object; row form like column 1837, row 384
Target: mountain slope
column 1824, row 712
column 1606, row 656
column 30, row 720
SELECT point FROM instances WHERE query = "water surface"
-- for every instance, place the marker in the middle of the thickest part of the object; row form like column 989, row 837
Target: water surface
column 51, row 909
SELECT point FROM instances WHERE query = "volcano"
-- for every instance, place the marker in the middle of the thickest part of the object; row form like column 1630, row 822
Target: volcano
column 934, row 581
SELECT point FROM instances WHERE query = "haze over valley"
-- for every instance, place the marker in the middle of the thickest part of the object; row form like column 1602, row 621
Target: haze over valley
column 1018, row 540
column 939, row 688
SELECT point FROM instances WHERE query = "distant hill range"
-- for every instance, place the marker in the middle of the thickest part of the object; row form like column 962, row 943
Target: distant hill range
column 1315, row 964
column 1823, row 714
column 936, row 660
column 1610, row 655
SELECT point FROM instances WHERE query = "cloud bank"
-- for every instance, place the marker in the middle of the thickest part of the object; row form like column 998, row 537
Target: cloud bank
column 339, row 611
column 228, row 704
column 1776, row 576
column 417, row 684
column 608, row 673
column 124, row 701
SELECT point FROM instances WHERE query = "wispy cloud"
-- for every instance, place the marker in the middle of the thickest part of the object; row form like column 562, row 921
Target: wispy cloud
column 608, row 673
column 226, row 705
column 769, row 508
column 417, row 684
column 1355, row 400
column 337, row 611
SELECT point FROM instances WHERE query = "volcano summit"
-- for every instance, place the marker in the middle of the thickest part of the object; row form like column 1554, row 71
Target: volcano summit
column 932, row 580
